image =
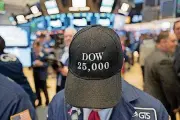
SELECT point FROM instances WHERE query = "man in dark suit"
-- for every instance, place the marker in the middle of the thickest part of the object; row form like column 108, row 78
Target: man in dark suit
column 160, row 78
column 40, row 74
column 94, row 88
column 176, row 29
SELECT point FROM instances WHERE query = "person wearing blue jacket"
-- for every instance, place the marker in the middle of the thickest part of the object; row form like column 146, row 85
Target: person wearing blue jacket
column 11, row 67
column 14, row 101
column 94, row 89
column 40, row 74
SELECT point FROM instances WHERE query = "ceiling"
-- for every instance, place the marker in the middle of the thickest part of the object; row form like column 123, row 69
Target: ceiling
column 21, row 3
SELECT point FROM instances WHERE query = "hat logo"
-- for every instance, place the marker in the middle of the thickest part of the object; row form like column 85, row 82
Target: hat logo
column 92, row 56
column 94, row 65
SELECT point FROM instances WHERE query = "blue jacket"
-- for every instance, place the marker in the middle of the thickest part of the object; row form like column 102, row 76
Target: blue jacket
column 40, row 71
column 11, row 67
column 134, row 105
column 13, row 100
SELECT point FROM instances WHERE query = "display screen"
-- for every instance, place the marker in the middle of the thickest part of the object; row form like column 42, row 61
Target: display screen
column 15, row 36
column 23, row 54
column 104, row 22
column 51, row 7
column 55, row 23
column 80, row 22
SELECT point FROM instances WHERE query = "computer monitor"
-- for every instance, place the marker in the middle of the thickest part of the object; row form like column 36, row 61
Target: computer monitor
column 15, row 36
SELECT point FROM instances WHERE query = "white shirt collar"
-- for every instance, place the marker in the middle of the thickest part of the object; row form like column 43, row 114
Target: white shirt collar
column 103, row 114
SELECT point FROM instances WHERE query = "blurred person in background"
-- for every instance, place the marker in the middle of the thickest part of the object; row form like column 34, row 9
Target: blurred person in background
column 11, row 67
column 14, row 101
column 63, row 70
column 127, row 64
column 160, row 78
column 40, row 73
column 176, row 29
column 46, row 42
column 146, row 47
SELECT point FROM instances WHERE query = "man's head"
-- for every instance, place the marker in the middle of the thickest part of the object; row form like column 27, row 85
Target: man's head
column 176, row 29
column 95, row 61
column 37, row 46
column 171, row 43
column 2, row 45
column 68, row 35
column 166, row 41
column 41, row 38
column 161, row 41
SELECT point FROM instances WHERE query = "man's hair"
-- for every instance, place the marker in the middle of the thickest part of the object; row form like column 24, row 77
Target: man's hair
column 175, row 24
column 42, row 36
column 71, row 29
column 37, row 43
column 2, row 44
column 162, row 35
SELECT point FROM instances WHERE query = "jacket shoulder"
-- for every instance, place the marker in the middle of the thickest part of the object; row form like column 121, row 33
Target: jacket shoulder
column 141, row 99
column 57, row 107
column 10, row 87
column 143, row 102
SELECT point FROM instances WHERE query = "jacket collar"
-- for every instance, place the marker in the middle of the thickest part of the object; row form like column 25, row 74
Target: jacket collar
column 123, row 109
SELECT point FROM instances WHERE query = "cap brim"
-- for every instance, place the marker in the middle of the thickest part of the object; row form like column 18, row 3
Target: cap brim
column 97, row 94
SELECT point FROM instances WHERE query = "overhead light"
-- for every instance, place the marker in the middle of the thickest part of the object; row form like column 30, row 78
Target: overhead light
column 104, row 22
column 84, row 8
column 79, row 8
column 51, row 7
column 21, row 19
column 38, row 14
column 105, row 9
column 165, row 25
column 79, row 3
column 125, row 7
column 55, row 23
column 73, row 9
column 106, row 6
column 80, row 22
column 34, row 9
column 53, row 11
column 29, row 16
column 123, row 12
